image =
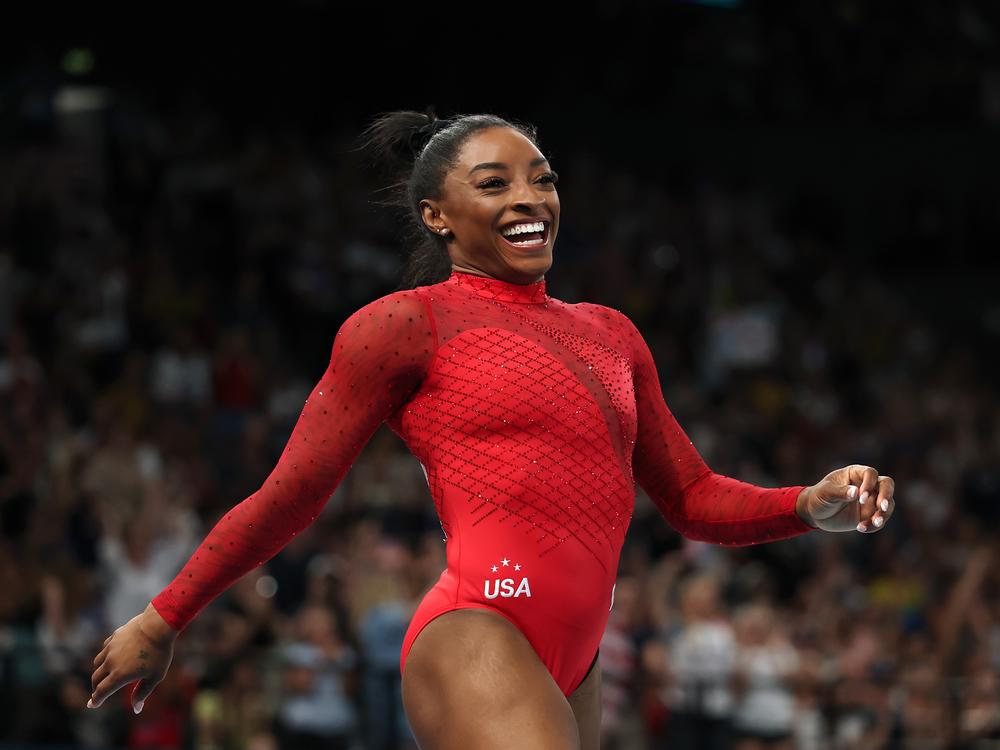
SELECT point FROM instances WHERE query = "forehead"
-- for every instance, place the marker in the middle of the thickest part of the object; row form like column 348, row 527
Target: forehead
column 497, row 145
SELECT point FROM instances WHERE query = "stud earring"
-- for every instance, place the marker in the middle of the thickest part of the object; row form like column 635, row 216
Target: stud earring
column 445, row 230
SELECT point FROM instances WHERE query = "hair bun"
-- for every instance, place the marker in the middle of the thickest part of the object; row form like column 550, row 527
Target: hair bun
column 420, row 137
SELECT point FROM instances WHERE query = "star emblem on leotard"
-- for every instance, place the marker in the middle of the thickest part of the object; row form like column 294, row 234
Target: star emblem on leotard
column 506, row 564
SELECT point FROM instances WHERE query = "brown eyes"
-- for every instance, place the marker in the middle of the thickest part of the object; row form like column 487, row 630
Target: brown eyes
column 549, row 177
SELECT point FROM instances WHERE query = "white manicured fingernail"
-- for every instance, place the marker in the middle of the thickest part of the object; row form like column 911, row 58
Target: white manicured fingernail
column 861, row 527
column 864, row 496
column 852, row 492
column 877, row 521
column 885, row 504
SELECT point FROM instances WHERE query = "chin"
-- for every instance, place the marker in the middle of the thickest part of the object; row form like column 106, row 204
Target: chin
column 540, row 264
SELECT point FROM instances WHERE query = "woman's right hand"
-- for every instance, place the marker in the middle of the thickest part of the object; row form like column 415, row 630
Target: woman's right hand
column 141, row 649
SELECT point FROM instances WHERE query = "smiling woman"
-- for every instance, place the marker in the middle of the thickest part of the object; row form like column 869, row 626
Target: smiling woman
column 464, row 185
column 526, row 424
column 533, row 420
column 510, row 191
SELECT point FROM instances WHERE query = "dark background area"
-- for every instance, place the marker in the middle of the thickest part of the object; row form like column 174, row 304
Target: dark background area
column 861, row 116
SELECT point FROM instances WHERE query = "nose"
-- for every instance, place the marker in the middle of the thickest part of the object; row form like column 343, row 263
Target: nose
column 529, row 205
column 527, row 198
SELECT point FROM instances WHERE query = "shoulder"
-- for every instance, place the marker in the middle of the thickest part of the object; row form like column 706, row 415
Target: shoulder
column 610, row 314
column 617, row 322
column 396, row 312
column 402, row 302
column 393, row 331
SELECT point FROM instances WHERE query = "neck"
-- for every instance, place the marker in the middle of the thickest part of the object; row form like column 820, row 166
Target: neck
column 483, row 285
column 478, row 272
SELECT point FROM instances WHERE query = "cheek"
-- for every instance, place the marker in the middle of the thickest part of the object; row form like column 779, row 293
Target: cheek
column 483, row 218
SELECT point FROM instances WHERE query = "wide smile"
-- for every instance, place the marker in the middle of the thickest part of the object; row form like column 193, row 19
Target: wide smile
column 527, row 247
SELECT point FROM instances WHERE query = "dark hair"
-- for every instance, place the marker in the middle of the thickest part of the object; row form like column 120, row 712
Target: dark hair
column 418, row 149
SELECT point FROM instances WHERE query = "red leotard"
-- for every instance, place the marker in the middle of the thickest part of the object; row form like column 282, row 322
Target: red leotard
column 533, row 419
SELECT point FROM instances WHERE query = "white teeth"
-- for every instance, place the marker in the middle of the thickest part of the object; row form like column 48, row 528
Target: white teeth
column 538, row 226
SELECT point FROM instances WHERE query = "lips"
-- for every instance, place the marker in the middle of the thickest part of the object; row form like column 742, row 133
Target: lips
column 509, row 224
column 545, row 236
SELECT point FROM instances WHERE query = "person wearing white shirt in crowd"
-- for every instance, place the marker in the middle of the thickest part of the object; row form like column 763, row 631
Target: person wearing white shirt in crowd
column 766, row 664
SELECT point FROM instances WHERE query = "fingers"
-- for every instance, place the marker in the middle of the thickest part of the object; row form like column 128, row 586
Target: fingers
column 884, row 501
column 107, row 687
column 869, row 481
column 99, row 659
column 878, row 512
column 867, row 478
column 140, row 692
column 99, row 674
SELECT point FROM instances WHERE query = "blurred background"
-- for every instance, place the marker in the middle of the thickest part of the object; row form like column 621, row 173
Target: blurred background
column 798, row 204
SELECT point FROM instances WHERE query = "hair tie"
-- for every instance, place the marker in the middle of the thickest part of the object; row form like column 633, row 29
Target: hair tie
column 425, row 133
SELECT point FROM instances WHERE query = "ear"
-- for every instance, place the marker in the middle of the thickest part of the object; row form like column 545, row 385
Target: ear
column 431, row 213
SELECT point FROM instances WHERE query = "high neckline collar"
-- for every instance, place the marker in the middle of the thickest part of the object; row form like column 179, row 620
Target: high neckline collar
column 498, row 289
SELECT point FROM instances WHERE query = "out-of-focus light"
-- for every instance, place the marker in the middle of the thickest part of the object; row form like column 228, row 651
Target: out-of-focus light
column 665, row 256
column 266, row 586
column 74, row 98
column 78, row 61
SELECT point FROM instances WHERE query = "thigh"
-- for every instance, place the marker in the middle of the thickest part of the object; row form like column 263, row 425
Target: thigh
column 472, row 679
column 586, row 704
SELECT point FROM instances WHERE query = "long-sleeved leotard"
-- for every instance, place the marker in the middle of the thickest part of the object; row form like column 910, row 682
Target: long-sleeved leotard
column 532, row 419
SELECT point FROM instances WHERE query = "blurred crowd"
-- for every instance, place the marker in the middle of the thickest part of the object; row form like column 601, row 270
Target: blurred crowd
column 169, row 293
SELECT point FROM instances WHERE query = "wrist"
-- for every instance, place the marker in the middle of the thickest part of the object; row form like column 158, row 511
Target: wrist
column 155, row 627
column 802, row 507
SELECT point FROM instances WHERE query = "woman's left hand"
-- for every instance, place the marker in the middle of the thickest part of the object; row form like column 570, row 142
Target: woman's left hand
column 855, row 498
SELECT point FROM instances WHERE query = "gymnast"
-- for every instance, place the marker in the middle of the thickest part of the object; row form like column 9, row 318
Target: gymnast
column 532, row 418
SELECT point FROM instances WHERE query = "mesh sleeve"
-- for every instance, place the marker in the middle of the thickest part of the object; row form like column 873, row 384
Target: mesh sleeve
column 379, row 358
column 694, row 500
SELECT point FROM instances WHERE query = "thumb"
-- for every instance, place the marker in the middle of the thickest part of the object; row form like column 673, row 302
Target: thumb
column 850, row 491
column 831, row 498
column 842, row 493
column 140, row 692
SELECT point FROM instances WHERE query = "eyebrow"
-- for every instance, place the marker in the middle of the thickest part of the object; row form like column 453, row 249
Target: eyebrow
column 501, row 165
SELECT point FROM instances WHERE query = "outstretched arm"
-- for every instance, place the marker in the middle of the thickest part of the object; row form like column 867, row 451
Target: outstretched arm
column 379, row 358
column 696, row 501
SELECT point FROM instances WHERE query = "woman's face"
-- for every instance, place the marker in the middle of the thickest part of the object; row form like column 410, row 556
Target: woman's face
column 501, row 179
